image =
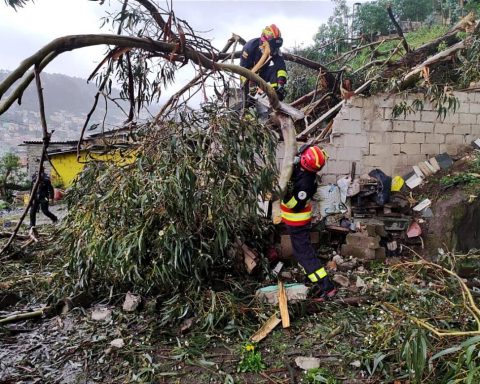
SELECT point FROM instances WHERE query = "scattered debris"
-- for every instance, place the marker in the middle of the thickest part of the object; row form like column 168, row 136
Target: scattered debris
column 250, row 258
column 102, row 314
column 414, row 230
column 131, row 302
column 307, row 363
column 266, row 328
column 360, row 283
column 186, row 324
column 283, row 305
column 421, row 206
column 294, row 292
column 117, row 343
column 341, row 279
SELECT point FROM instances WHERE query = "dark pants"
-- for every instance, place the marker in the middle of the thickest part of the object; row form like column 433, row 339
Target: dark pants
column 43, row 205
column 303, row 251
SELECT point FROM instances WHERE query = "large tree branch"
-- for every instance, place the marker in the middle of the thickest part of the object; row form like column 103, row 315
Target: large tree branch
column 69, row 43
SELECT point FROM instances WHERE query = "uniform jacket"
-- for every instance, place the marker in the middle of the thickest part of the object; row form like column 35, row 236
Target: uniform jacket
column 296, row 210
column 273, row 71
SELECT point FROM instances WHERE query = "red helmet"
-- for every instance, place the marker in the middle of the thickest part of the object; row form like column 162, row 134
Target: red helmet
column 313, row 158
column 270, row 32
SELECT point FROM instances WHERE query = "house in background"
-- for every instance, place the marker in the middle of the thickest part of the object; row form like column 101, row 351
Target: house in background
column 116, row 146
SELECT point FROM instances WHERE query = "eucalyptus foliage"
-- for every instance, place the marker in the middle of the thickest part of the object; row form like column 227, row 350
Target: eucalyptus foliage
column 166, row 222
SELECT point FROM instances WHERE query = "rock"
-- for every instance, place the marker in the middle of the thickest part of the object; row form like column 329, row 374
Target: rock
column 360, row 283
column 338, row 259
column 361, row 240
column 307, row 363
column 186, row 324
column 341, row 280
column 359, row 253
column 117, row 343
column 444, row 160
column 356, row 364
column 101, row 314
column 131, row 302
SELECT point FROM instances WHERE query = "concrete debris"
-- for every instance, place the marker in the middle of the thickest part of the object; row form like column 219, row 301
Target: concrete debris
column 186, row 324
column 360, row 283
column 476, row 143
column 102, row 314
column 341, row 280
column 117, row 343
column 337, row 259
column 295, row 292
column 422, row 205
column 356, row 364
column 413, row 181
column 307, row 363
column 131, row 302
column 427, row 213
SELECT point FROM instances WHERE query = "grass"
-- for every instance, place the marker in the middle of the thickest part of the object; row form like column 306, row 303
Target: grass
column 414, row 39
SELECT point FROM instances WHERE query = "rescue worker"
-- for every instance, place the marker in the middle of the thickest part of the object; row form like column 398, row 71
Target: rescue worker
column 41, row 198
column 262, row 55
column 297, row 215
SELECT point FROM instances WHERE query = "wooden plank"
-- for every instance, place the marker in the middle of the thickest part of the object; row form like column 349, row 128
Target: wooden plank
column 266, row 328
column 283, row 304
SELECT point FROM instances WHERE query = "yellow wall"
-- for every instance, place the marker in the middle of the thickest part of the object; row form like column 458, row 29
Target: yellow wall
column 67, row 167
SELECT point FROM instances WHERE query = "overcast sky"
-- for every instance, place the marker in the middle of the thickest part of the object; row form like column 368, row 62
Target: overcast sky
column 28, row 29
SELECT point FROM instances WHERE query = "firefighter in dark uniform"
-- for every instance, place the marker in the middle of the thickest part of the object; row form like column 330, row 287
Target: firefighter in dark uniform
column 297, row 215
column 262, row 55
column 40, row 200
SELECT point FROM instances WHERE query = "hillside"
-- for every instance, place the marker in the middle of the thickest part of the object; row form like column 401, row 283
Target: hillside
column 67, row 102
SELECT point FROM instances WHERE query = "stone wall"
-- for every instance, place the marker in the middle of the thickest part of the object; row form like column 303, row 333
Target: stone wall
column 365, row 132
column 34, row 153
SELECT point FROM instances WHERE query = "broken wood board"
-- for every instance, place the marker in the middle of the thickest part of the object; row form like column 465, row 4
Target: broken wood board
column 283, row 305
column 250, row 258
column 266, row 328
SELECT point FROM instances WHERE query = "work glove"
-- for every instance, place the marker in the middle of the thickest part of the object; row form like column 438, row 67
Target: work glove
column 281, row 92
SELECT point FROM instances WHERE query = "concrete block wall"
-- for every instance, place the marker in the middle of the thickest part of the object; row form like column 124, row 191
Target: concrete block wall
column 365, row 132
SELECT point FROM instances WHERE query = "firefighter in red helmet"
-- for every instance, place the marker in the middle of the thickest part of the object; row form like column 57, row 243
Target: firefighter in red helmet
column 297, row 215
column 262, row 55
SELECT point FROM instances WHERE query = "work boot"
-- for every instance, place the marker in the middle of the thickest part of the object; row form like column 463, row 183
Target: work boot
column 323, row 290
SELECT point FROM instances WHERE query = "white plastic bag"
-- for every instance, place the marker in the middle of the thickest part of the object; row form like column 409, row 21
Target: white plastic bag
column 329, row 200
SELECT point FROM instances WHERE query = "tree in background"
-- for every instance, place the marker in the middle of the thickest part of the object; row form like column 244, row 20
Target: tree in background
column 372, row 19
column 412, row 10
column 11, row 175
column 335, row 30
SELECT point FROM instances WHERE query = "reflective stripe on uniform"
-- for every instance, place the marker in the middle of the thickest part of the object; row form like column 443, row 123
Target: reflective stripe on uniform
column 289, row 217
column 317, row 275
column 274, row 85
column 292, row 202
column 282, row 73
